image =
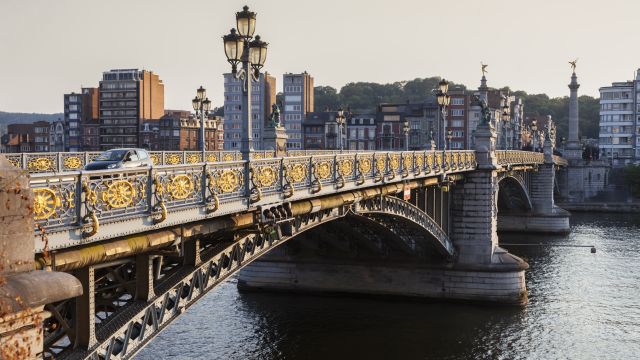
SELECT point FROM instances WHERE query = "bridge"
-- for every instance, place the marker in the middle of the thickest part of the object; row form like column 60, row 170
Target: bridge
column 134, row 248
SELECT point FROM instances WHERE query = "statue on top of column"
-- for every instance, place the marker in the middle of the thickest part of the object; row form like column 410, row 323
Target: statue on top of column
column 573, row 65
column 274, row 118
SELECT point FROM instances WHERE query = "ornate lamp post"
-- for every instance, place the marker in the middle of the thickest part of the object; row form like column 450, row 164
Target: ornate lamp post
column 443, row 102
column 405, row 131
column 239, row 48
column 340, row 120
column 506, row 118
column 202, row 105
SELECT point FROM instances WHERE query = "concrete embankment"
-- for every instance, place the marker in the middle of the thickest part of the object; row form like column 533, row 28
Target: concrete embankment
column 602, row 207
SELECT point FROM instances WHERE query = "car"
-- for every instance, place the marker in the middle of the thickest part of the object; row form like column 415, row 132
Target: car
column 120, row 158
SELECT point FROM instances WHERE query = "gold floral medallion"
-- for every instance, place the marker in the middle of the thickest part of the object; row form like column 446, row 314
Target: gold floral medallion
column 173, row 159
column 345, row 167
column 193, row 158
column 119, row 194
column 45, row 203
column 181, row 187
column 266, row 176
column 297, row 172
column 323, row 169
column 364, row 165
column 40, row 164
column 72, row 162
column 228, row 181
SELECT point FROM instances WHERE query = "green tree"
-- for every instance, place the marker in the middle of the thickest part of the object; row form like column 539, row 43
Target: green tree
column 325, row 97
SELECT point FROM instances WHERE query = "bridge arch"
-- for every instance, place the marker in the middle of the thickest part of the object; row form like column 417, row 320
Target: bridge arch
column 513, row 194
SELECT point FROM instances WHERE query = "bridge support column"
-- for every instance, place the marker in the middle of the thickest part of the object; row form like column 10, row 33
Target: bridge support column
column 474, row 227
column 23, row 290
column 545, row 216
column 144, row 277
column 192, row 252
column 86, row 309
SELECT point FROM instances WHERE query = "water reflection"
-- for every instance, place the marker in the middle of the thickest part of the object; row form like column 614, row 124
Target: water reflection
column 581, row 306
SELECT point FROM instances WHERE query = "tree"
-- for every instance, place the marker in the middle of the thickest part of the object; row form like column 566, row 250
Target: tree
column 325, row 97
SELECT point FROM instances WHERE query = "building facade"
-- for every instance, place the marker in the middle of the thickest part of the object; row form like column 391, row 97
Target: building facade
column 619, row 136
column 128, row 98
column 298, row 102
column 81, row 111
column 179, row 130
column 262, row 98
column 57, row 141
column 361, row 132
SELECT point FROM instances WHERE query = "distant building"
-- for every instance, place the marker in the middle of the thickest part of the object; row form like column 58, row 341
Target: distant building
column 19, row 138
column 128, row 98
column 619, row 138
column 298, row 101
column 179, row 130
column 57, row 139
column 321, row 131
column 361, row 132
column 41, row 136
column 263, row 96
column 81, row 112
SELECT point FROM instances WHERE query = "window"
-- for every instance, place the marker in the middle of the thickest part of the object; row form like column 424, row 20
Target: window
column 293, row 98
column 457, row 123
column 457, row 112
column 457, row 101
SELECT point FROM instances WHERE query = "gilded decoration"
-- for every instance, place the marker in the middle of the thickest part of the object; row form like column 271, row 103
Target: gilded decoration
column 257, row 156
column 119, row 194
column 227, row 157
column 266, row 176
column 406, row 162
column 364, row 165
column 14, row 162
column 212, row 158
column 430, row 160
column 155, row 158
column 380, row 165
column 173, row 159
column 228, row 181
column 72, row 162
column 45, row 203
column 41, row 164
column 394, row 162
column 193, row 158
column 419, row 161
column 323, row 169
column 345, row 167
column 297, row 172
column 438, row 159
column 180, row 187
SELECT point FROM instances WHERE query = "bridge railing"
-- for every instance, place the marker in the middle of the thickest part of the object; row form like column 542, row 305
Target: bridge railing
column 75, row 161
column 79, row 204
column 518, row 157
column 560, row 161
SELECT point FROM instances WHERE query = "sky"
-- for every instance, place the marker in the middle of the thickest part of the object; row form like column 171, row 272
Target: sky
column 52, row 47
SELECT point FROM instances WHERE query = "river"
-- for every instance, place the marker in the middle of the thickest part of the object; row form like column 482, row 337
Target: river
column 581, row 306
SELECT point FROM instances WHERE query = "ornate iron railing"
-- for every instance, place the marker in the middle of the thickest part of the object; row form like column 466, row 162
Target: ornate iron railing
column 518, row 157
column 85, row 206
column 75, row 161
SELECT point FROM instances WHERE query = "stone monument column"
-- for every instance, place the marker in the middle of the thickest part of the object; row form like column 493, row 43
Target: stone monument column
column 573, row 149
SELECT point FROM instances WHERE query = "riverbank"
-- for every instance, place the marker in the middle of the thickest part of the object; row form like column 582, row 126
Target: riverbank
column 606, row 207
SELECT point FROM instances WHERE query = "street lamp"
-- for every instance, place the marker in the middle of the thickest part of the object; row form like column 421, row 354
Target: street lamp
column 240, row 48
column 443, row 102
column 405, row 130
column 340, row 119
column 506, row 117
column 202, row 105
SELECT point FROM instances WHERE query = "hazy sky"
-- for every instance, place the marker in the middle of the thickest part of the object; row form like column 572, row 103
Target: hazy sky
column 51, row 47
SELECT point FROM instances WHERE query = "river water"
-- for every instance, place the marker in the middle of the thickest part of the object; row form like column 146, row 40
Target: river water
column 581, row 306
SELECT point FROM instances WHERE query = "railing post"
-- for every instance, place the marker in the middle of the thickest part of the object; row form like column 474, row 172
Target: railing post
column 59, row 162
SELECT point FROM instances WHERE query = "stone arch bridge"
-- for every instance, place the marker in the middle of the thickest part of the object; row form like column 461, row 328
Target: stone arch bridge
column 142, row 245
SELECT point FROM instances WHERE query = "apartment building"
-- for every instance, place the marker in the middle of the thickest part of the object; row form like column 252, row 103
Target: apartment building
column 298, row 102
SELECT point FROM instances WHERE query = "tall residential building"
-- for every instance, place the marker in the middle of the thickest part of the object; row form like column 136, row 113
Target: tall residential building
column 180, row 130
column 81, row 120
column 263, row 96
column 128, row 98
column 298, row 101
column 620, row 121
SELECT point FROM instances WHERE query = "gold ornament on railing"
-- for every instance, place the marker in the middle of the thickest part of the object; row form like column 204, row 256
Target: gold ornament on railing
column 227, row 157
column 45, row 202
column 173, row 159
column 212, row 158
column 345, row 167
column 323, row 169
column 155, row 158
column 193, row 158
column 394, row 162
column 72, row 162
column 180, row 187
column 14, row 162
column 297, row 172
column 266, row 176
column 364, row 165
column 228, row 181
column 41, row 164
column 119, row 194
